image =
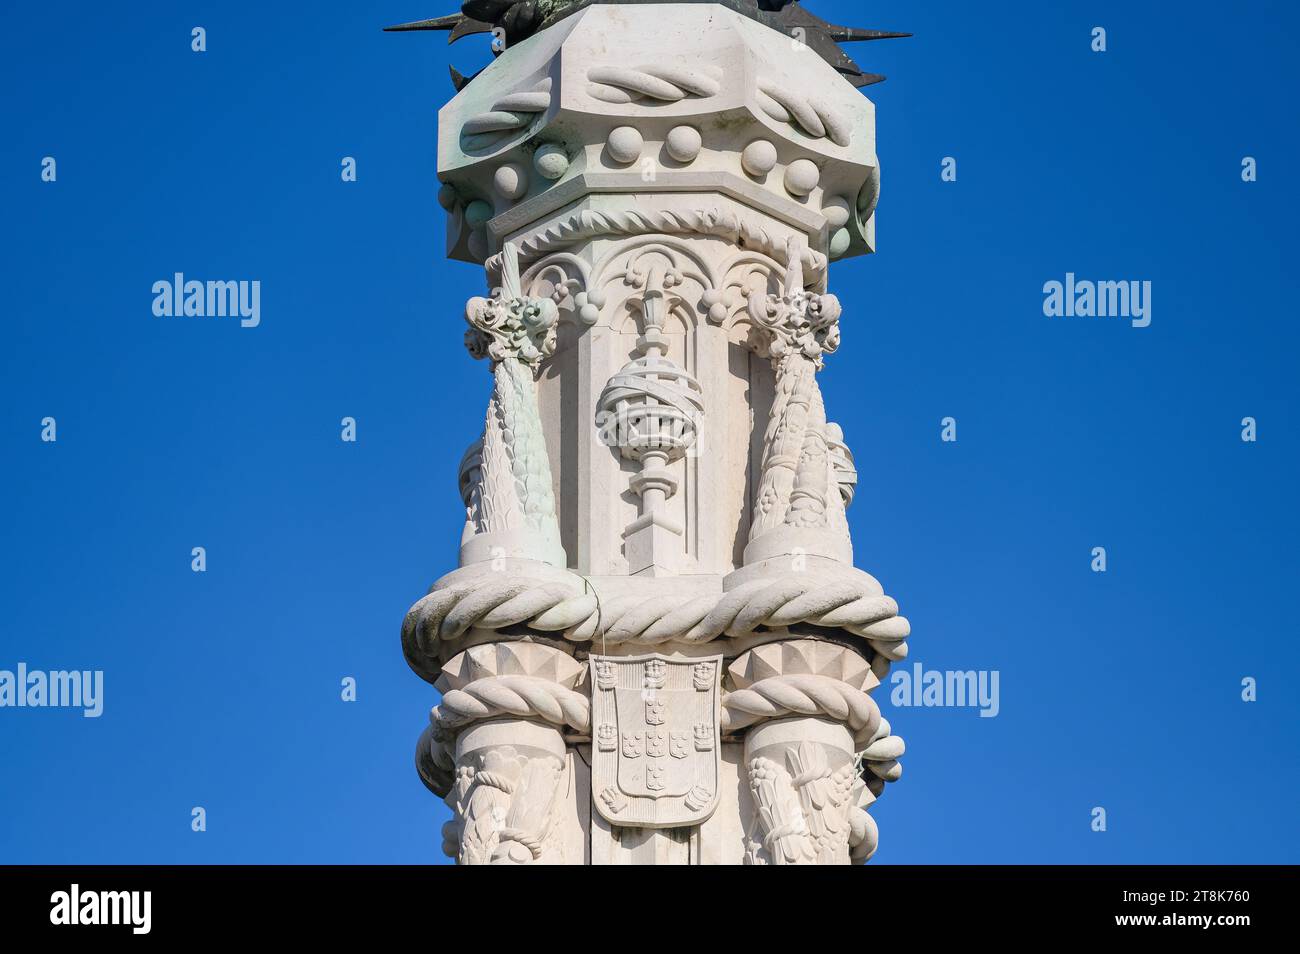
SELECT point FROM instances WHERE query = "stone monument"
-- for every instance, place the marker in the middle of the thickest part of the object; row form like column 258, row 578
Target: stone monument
column 656, row 648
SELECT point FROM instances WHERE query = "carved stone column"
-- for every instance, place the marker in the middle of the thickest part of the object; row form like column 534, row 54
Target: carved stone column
column 514, row 503
column 810, row 721
column 501, row 725
column 795, row 503
column 655, row 193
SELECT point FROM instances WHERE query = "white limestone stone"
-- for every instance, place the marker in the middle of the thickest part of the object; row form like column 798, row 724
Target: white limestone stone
column 658, row 494
column 683, row 143
column 801, row 177
column 554, row 98
column 510, row 181
column 551, row 160
column 837, row 210
column 624, row 144
column 759, row 158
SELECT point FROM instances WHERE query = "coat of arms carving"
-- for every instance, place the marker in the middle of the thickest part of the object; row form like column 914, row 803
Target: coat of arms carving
column 656, row 763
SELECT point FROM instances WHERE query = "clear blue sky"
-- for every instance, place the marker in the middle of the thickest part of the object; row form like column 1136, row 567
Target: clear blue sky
column 1119, row 690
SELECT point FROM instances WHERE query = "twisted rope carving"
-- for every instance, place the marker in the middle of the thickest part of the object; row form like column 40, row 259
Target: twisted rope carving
column 500, row 499
column 854, row 604
column 513, row 111
column 434, row 763
column 533, row 841
column 727, row 224
column 781, row 443
column 880, row 759
column 864, row 836
column 801, row 694
column 808, row 496
column 667, row 83
column 808, row 115
column 513, row 695
column 529, row 463
column 881, row 756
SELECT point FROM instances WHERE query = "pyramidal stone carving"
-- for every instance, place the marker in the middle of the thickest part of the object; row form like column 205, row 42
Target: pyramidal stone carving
column 656, row 648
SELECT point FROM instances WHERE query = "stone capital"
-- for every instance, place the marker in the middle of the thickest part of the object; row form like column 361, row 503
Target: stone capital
column 632, row 98
column 503, row 328
column 801, row 322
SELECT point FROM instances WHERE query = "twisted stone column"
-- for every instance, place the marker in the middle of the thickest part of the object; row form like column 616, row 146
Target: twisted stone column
column 795, row 487
column 513, row 502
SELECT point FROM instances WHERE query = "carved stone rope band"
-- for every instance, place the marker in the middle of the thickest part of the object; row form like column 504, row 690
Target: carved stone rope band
column 524, row 696
column 513, row 111
column 776, row 697
column 882, row 755
column 716, row 222
column 810, row 116
column 663, row 82
column 801, row 694
column 864, row 836
column 855, row 605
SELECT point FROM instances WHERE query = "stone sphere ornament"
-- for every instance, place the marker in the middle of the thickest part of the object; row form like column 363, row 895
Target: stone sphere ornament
column 477, row 213
column 624, row 144
column 551, row 161
column 868, row 194
column 589, row 304
column 758, row 158
column 716, row 309
column 801, row 177
column 477, row 243
column 839, row 243
column 447, row 196
column 510, row 181
column 683, row 143
column 837, row 211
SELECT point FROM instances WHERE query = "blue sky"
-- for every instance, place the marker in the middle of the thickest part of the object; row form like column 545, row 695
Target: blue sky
column 1119, row 689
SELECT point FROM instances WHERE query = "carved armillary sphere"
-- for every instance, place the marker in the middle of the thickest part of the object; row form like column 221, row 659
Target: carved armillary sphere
column 520, row 19
column 651, row 405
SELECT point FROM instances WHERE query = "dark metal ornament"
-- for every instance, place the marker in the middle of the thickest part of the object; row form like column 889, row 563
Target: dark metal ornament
column 520, row 19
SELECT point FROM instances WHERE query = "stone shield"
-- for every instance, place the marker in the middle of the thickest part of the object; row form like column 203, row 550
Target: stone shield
column 655, row 754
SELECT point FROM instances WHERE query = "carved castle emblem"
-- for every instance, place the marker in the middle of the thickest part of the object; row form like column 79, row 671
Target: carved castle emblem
column 665, row 769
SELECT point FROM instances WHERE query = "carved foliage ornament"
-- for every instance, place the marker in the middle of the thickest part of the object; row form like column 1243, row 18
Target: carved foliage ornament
column 505, row 807
column 515, row 327
column 798, row 322
column 797, row 328
column 803, row 809
column 515, row 490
